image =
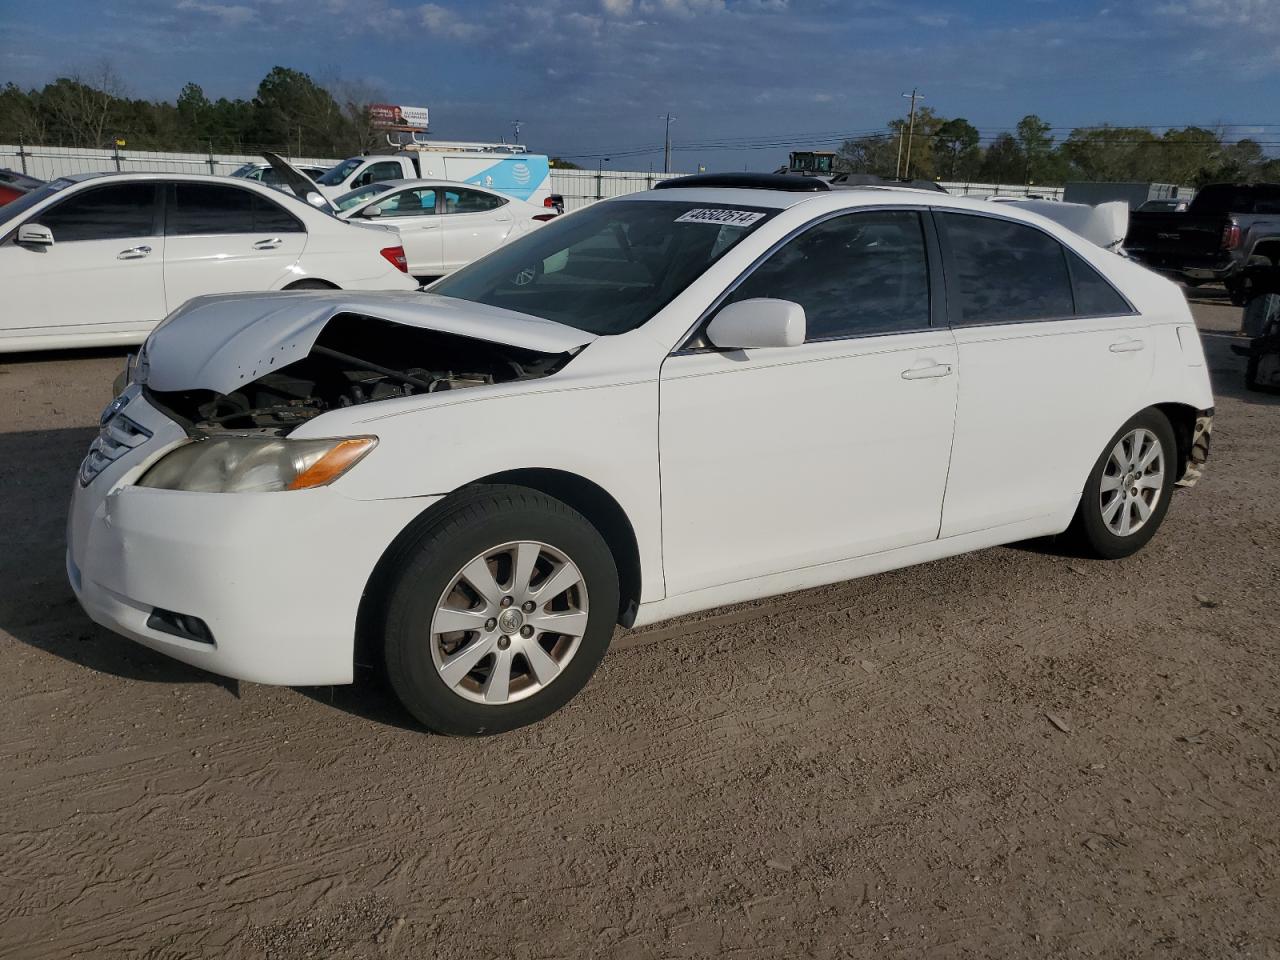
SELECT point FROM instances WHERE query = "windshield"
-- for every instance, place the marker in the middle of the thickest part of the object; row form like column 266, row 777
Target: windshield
column 11, row 211
column 349, row 200
column 339, row 173
column 609, row 268
column 244, row 170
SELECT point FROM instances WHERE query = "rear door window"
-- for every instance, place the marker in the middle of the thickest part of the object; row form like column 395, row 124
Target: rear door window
column 206, row 209
column 119, row 211
column 999, row 271
column 470, row 201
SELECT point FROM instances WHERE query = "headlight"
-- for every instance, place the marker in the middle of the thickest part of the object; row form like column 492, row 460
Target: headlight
column 256, row 464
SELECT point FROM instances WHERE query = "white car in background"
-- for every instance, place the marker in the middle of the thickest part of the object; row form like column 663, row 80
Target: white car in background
column 711, row 392
column 265, row 173
column 442, row 225
column 100, row 259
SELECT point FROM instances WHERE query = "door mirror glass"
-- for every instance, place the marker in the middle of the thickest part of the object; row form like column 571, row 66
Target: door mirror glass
column 35, row 234
column 762, row 322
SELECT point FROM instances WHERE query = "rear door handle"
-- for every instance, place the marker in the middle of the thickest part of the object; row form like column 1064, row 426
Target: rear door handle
column 267, row 244
column 927, row 372
column 133, row 253
column 1127, row 346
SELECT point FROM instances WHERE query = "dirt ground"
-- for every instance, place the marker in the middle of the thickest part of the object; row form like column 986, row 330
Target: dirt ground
column 1007, row 754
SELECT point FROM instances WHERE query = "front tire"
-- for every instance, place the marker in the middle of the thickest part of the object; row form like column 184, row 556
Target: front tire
column 1127, row 494
column 502, row 606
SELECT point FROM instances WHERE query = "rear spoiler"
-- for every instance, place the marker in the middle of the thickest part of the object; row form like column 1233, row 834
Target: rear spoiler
column 1106, row 224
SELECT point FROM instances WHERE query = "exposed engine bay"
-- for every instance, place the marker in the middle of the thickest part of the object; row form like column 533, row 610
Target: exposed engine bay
column 357, row 359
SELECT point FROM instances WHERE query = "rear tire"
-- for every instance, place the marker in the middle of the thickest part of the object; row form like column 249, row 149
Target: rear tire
column 311, row 285
column 1127, row 494
column 473, row 643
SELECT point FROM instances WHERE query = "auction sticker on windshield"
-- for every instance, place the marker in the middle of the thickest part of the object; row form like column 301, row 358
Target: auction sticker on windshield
column 721, row 218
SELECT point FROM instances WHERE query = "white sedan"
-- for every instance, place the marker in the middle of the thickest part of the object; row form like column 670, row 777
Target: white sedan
column 443, row 225
column 724, row 389
column 100, row 259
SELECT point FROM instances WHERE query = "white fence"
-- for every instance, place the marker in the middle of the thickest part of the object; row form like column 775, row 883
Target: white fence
column 1000, row 190
column 578, row 187
column 581, row 188
column 50, row 162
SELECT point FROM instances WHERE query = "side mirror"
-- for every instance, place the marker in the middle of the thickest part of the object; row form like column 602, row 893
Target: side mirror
column 36, row 234
column 374, row 211
column 315, row 199
column 758, row 323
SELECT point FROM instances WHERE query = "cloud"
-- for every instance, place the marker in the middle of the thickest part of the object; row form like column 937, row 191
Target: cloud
column 443, row 22
column 228, row 15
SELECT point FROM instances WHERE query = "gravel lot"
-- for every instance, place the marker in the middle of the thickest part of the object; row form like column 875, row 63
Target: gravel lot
column 1013, row 753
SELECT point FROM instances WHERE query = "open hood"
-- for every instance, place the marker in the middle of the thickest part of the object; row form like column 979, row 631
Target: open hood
column 222, row 342
column 303, row 187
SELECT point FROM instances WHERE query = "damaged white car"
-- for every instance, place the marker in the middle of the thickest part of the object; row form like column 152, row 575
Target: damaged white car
column 721, row 390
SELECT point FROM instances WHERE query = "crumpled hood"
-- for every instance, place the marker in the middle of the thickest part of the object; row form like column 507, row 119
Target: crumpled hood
column 222, row 342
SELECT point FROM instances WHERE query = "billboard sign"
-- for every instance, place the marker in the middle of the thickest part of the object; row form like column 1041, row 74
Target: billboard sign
column 389, row 116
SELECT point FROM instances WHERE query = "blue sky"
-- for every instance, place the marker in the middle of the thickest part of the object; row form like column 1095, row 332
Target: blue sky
column 589, row 77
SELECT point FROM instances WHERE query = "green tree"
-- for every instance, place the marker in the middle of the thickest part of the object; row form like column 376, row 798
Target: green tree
column 955, row 149
column 1004, row 161
column 293, row 111
column 1111, row 153
column 1037, row 149
column 871, row 154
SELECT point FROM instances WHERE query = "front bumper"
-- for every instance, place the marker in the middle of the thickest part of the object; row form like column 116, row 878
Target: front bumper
column 277, row 577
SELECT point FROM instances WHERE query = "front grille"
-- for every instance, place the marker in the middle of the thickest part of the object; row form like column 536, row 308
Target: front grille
column 116, row 437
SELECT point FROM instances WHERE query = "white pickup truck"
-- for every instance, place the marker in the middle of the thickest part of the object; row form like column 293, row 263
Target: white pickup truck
column 507, row 168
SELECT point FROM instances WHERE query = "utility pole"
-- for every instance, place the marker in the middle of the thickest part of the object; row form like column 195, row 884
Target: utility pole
column 914, row 95
column 516, row 126
column 666, row 149
column 600, row 177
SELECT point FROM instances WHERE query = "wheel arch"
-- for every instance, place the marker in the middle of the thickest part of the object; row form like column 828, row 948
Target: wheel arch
column 311, row 283
column 602, row 511
column 1268, row 247
column 1184, row 418
column 591, row 500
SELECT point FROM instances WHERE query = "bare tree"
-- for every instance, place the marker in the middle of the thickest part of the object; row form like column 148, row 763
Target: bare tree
column 81, row 105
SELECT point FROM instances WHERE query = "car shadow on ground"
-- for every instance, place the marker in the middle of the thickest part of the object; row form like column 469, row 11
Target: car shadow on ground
column 369, row 699
column 62, row 356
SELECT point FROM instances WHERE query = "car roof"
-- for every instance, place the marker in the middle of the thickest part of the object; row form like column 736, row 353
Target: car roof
column 140, row 175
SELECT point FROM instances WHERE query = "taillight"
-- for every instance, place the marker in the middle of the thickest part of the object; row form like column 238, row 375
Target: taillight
column 395, row 256
column 1231, row 235
column 544, row 217
column 548, row 202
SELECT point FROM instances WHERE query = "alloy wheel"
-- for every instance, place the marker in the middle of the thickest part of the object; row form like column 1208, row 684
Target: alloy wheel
column 1132, row 482
column 509, row 622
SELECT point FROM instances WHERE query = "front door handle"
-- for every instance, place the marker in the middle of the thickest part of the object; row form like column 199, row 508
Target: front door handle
column 267, row 244
column 1127, row 346
column 927, row 372
column 133, row 253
